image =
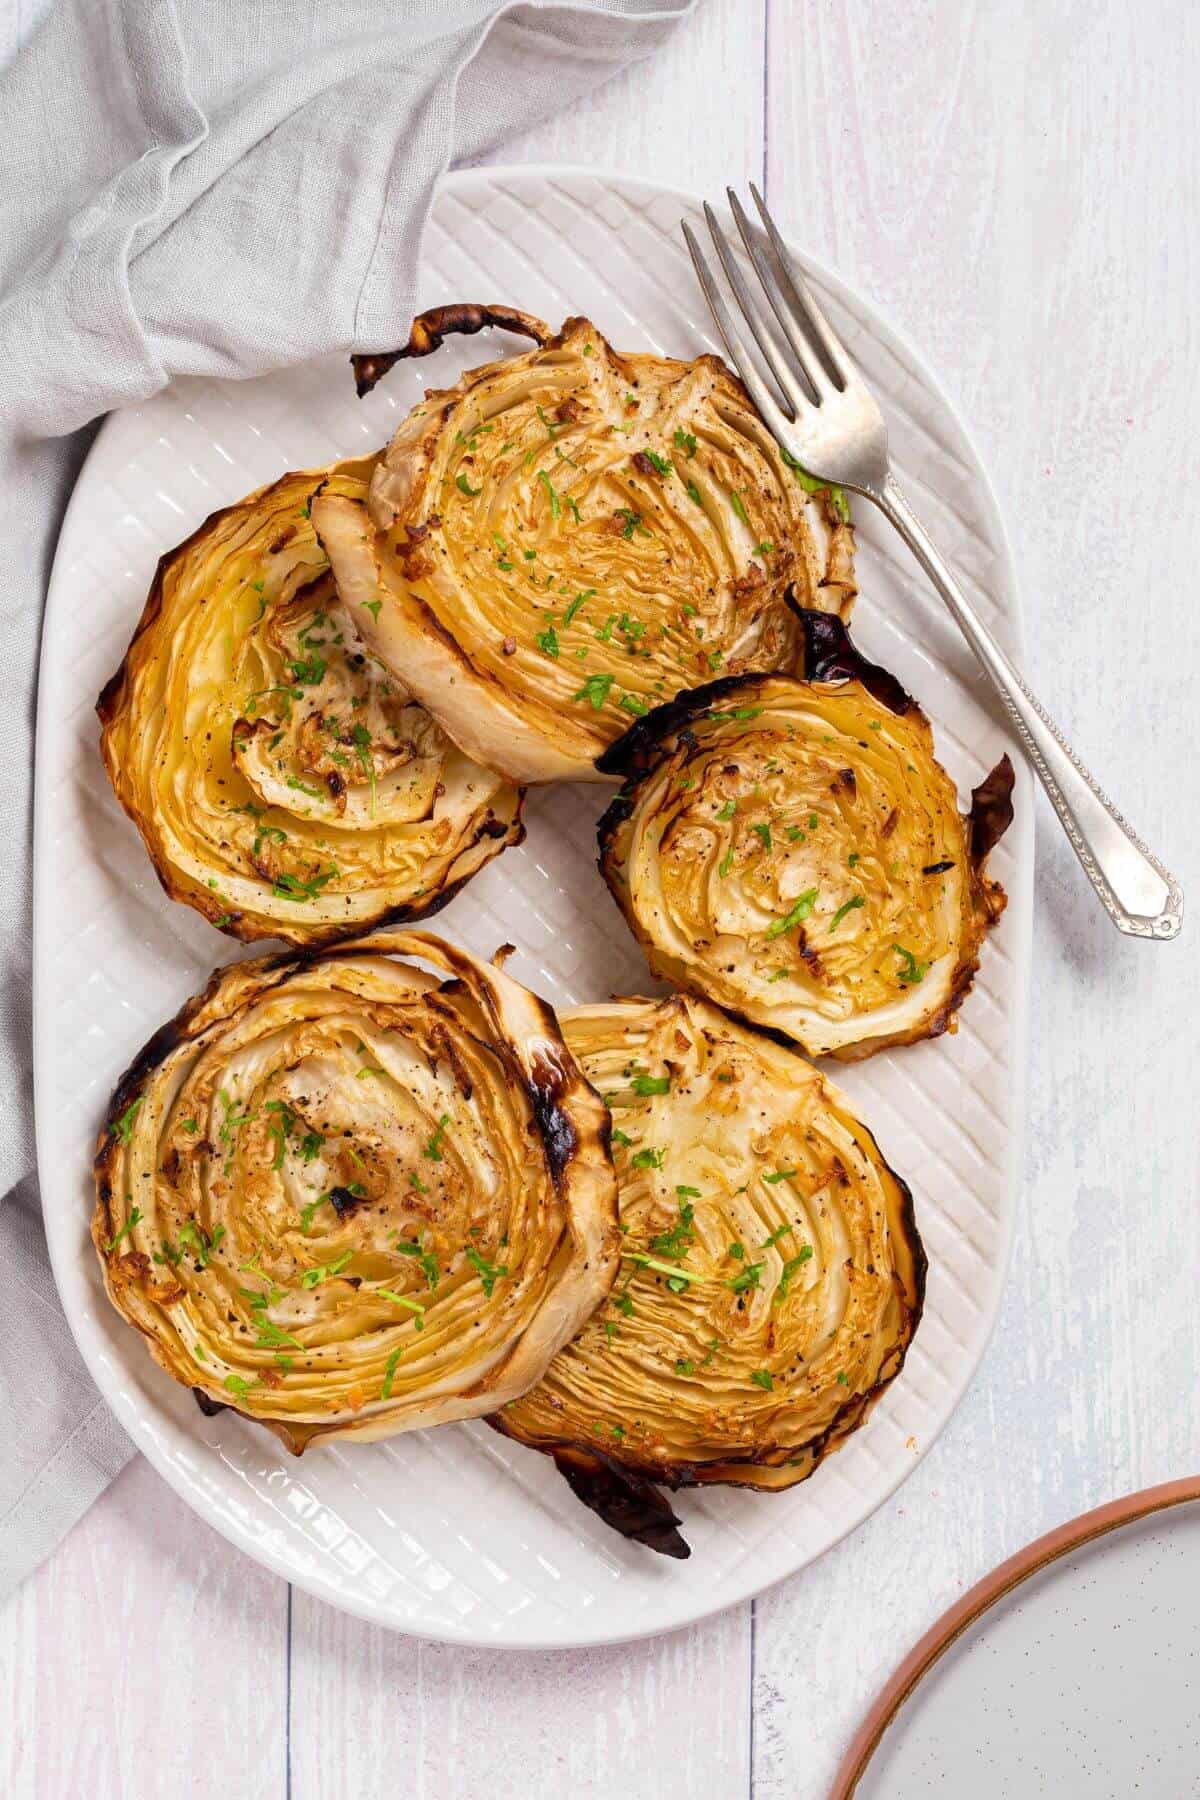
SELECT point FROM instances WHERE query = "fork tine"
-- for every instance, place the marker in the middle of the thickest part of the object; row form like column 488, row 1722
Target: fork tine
column 739, row 354
column 761, row 254
column 790, row 278
column 797, row 393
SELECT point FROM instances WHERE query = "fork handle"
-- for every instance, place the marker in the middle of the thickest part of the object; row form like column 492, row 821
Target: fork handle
column 1138, row 894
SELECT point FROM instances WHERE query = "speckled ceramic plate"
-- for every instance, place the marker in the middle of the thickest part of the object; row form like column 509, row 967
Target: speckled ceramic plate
column 458, row 1534
column 1072, row 1669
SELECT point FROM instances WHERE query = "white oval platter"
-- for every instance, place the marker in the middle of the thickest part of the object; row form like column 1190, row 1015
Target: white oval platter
column 458, row 1534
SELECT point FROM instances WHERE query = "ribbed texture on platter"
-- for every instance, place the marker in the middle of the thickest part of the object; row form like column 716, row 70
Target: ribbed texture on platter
column 570, row 535
column 794, row 850
column 285, row 784
column 348, row 1198
column 771, row 1276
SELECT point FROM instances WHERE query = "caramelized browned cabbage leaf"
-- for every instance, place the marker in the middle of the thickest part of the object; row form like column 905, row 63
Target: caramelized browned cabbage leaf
column 348, row 1198
column 794, row 850
column 285, row 784
column 771, row 1271
column 570, row 535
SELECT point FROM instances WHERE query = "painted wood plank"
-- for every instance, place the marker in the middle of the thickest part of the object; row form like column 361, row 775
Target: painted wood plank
column 1015, row 185
column 146, row 1660
column 690, row 117
column 666, row 1719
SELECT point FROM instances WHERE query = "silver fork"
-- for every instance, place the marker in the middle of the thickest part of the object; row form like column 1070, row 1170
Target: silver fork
column 823, row 414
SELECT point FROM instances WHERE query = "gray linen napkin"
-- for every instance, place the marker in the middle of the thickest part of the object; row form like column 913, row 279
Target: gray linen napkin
column 213, row 187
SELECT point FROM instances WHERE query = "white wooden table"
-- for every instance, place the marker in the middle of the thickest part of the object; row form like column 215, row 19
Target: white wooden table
column 1016, row 184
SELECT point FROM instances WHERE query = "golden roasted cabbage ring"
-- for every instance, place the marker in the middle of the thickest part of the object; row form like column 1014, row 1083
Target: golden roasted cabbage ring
column 570, row 535
column 284, row 783
column 347, row 1198
column 794, row 850
column 772, row 1273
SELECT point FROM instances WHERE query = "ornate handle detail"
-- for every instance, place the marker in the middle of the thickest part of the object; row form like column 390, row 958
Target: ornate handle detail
column 1138, row 894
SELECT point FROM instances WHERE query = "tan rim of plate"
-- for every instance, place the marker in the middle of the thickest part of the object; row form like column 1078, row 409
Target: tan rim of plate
column 1002, row 1580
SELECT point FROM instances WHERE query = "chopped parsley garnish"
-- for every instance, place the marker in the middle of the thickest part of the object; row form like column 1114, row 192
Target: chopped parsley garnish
column 693, row 493
column 464, row 487
column 268, row 834
column 685, row 441
column 360, row 737
column 739, row 507
column 728, row 810
column 325, row 1271
column 684, row 1366
column 310, row 672
column 198, row 1241
column 747, row 1279
column 233, row 1120
column 123, row 1127
column 135, row 1218
column 799, row 912
column 238, row 1385
column 811, row 485
column 764, row 1379
column 551, row 492
column 847, row 906
column 677, row 1278
column 270, row 1335
column 780, row 1231
column 911, row 971
column 633, row 703
column 726, row 863
column 781, row 1175
column 280, row 1128
column 306, row 1212
column 192, row 1125
column 291, row 887
column 679, row 1239
column 619, row 1137
column 489, row 1273
column 433, row 1148
column 645, row 1085
column 412, row 1306
column 843, row 1379
column 426, row 1259
column 371, row 606
column 576, row 603
column 648, row 1159
column 764, row 832
column 595, row 690
column 790, row 1268
column 663, row 464
column 547, row 641
column 766, row 548
column 389, row 1369
column 633, row 522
